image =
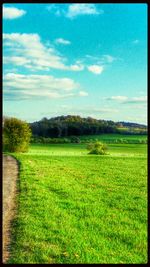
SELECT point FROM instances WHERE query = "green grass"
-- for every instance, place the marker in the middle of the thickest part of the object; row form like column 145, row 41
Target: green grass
column 80, row 208
column 114, row 137
column 76, row 150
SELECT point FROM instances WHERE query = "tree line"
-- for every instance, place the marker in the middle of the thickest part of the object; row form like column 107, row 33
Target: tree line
column 65, row 126
column 17, row 134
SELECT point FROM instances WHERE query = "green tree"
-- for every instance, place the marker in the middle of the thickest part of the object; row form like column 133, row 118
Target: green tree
column 97, row 148
column 16, row 135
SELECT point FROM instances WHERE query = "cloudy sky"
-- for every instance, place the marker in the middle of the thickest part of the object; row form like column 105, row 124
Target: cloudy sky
column 75, row 59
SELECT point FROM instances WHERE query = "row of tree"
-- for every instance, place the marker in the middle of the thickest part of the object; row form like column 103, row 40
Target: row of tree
column 64, row 126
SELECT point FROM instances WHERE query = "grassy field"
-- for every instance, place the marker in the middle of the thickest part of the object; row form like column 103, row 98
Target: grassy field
column 80, row 208
column 111, row 138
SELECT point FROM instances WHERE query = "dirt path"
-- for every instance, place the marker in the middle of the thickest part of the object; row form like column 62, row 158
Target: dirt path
column 10, row 174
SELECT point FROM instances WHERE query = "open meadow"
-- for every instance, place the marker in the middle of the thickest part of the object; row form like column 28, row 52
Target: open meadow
column 80, row 208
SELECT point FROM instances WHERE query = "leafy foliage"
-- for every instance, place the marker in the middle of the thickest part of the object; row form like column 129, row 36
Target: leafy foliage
column 97, row 148
column 106, row 138
column 16, row 135
column 67, row 126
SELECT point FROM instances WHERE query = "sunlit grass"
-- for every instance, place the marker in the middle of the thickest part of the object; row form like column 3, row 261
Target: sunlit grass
column 80, row 150
column 80, row 208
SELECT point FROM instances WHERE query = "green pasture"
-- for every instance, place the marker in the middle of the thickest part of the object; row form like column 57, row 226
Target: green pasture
column 109, row 138
column 80, row 149
column 78, row 208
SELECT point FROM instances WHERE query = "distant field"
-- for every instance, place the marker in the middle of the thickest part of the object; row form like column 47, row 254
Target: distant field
column 114, row 137
column 80, row 208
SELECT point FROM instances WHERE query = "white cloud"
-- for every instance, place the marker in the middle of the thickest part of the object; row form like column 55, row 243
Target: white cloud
column 96, row 69
column 128, row 100
column 12, row 12
column 101, row 59
column 77, row 67
column 28, row 50
column 82, row 93
column 54, row 8
column 62, row 41
column 29, row 46
column 21, row 86
column 19, row 61
column 82, row 9
column 74, row 10
column 37, row 85
column 118, row 98
column 134, row 100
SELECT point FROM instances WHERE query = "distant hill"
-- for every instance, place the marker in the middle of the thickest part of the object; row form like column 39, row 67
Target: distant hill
column 64, row 126
column 132, row 124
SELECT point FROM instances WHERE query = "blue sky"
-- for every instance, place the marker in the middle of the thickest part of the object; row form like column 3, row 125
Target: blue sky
column 75, row 59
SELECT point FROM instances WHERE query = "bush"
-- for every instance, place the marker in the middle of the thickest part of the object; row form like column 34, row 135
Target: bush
column 75, row 139
column 16, row 135
column 97, row 148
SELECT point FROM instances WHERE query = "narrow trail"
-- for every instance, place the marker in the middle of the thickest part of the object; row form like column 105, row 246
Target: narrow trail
column 10, row 175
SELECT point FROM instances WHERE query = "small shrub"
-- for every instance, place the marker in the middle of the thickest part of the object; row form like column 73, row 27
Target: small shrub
column 75, row 139
column 97, row 148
